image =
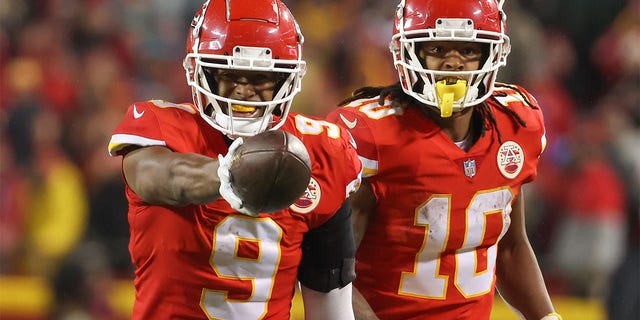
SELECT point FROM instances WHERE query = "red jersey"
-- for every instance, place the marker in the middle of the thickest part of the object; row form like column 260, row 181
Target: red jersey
column 430, row 250
column 209, row 261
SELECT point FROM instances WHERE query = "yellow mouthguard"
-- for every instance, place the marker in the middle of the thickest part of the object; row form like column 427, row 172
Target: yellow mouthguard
column 448, row 93
column 239, row 108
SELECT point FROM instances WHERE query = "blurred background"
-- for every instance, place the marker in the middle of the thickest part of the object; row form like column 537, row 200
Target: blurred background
column 70, row 68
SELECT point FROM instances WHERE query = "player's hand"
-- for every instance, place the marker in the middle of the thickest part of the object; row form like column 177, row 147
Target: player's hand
column 226, row 186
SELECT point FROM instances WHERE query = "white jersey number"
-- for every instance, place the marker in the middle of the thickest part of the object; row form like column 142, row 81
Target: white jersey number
column 434, row 215
column 263, row 234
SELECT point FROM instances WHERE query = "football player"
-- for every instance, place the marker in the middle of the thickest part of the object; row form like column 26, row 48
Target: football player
column 199, row 252
column 439, row 220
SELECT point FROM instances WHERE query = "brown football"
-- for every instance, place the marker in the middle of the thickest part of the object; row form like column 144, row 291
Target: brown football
column 270, row 171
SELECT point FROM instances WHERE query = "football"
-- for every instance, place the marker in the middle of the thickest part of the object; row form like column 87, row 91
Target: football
column 270, row 171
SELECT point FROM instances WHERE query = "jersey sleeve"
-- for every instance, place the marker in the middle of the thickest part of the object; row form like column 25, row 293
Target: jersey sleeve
column 336, row 168
column 531, row 136
column 150, row 123
column 537, row 116
column 355, row 123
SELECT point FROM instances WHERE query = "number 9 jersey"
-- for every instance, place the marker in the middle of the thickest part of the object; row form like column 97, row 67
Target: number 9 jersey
column 430, row 249
column 209, row 261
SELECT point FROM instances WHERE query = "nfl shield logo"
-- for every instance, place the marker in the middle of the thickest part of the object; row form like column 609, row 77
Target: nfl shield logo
column 470, row 168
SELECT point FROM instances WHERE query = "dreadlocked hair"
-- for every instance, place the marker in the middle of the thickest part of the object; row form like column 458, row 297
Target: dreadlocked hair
column 396, row 93
column 393, row 91
column 487, row 114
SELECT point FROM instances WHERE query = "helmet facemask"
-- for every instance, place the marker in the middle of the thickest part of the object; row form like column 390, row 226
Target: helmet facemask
column 214, row 107
column 427, row 86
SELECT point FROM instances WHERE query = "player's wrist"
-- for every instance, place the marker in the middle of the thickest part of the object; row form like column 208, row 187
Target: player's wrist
column 226, row 187
column 552, row 316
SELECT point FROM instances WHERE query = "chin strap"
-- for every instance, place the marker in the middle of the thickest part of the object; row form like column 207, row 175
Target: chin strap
column 448, row 93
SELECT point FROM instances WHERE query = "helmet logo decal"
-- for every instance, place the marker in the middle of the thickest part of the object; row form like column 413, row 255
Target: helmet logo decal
column 196, row 19
column 196, row 24
column 310, row 199
column 299, row 32
column 510, row 159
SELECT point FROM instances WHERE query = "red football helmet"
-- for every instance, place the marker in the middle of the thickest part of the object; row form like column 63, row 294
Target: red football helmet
column 480, row 21
column 244, row 35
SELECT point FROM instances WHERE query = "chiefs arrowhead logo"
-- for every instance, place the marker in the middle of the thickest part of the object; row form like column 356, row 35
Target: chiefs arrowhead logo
column 309, row 199
column 510, row 159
